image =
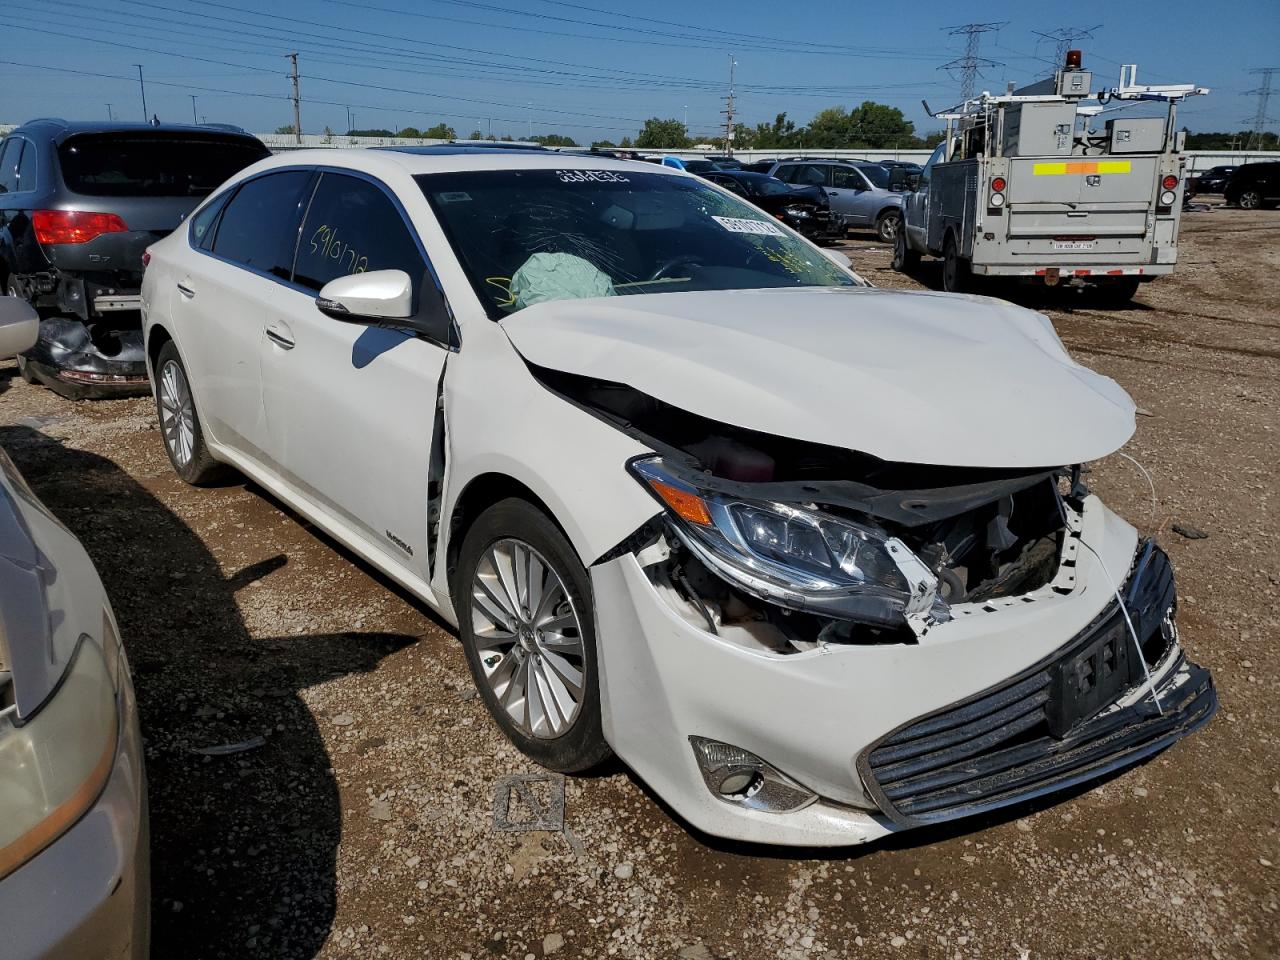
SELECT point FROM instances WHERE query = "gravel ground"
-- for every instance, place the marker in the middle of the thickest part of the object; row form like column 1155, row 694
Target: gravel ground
column 362, row 827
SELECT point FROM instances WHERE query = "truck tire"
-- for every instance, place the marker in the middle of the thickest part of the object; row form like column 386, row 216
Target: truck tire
column 905, row 260
column 888, row 225
column 1117, row 293
column 956, row 275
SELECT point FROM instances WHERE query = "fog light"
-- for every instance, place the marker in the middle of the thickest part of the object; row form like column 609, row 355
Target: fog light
column 736, row 776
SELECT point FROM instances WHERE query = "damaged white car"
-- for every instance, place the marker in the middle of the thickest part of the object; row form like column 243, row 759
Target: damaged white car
column 815, row 559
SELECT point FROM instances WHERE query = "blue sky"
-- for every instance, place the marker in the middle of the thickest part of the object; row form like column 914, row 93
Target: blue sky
column 592, row 69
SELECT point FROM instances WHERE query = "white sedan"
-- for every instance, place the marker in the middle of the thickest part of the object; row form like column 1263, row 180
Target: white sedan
column 815, row 559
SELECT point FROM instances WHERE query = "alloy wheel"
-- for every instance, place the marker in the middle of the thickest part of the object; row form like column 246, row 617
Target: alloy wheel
column 177, row 413
column 1250, row 200
column 528, row 638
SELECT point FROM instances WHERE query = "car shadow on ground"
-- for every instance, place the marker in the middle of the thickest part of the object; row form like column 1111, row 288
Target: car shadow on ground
column 1036, row 296
column 243, row 844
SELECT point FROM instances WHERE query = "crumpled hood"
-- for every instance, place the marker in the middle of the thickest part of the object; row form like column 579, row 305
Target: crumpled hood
column 912, row 377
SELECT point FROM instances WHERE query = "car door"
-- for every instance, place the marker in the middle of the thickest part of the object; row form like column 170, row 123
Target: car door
column 351, row 408
column 228, row 285
column 853, row 193
column 10, row 202
column 916, row 212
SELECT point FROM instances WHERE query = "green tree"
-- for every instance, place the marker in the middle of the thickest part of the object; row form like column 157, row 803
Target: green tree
column 441, row 131
column 657, row 134
column 287, row 128
column 774, row 136
column 877, row 126
column 409, row 132
column 602, row 145
column 373, row 132
column 554, row 140
column 476, row 135
column 625, row 143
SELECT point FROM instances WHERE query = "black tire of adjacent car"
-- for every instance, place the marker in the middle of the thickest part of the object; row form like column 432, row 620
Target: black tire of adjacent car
column 202, row 469
column 1250, row 200
column 905, row 260
column 888, row 226
column 583, row 745
column 955, row 268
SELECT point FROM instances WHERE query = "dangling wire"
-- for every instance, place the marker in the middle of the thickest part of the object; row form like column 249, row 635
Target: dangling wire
column 1124, row 609
column 1151, row 523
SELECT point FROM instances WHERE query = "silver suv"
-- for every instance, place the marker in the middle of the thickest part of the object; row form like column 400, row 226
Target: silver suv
column 859, row 191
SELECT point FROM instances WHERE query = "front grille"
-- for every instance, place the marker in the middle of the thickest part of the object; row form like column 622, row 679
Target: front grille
column 1038, row 732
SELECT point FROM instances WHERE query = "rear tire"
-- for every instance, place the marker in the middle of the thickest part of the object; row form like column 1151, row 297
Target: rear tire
column 179, row 421
column 1117, row 293
column 956, row 275
column 888, row 226
column 24, row 371
column 905, row 260
column 527, row 622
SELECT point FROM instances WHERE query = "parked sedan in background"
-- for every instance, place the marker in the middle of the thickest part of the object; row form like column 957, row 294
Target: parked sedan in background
column 74, row 847
column 1214, row 179
column 79, row 202
column 860, row 192
column 805, row 209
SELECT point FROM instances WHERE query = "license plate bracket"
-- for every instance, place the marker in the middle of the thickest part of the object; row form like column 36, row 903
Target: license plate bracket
column 1089, row 680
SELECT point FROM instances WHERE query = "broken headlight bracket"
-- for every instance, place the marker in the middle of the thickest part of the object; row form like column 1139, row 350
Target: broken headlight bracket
column 797, row 556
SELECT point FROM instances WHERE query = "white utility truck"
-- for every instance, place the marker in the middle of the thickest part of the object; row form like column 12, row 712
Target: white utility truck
column 1026, row 186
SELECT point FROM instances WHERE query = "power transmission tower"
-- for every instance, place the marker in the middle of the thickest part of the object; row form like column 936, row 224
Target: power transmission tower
column 1064, row 39
column 1259, row 120
column 727, row 111
column 297, row 100
column 969, row 67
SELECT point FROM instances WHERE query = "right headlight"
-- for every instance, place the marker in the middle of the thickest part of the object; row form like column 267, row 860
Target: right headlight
column 798, row 556
column 55, row 763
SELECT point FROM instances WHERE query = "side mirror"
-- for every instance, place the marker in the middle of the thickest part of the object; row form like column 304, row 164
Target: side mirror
column 912, row 182
column 837, row 257
column 19, row 326
column 384, row 298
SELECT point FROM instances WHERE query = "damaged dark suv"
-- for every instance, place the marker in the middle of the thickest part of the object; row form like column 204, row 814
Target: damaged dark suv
column 79, row 204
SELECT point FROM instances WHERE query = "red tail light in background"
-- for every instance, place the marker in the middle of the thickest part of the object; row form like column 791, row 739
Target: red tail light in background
column 146, row 258
column 74, row 226
column 1169, row 182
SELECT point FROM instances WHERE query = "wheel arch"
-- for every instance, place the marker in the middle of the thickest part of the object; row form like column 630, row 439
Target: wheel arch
column 481, row 493
column 157, row 337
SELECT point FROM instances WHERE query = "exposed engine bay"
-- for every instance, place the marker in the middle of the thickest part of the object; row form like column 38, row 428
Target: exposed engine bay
column 973, row 535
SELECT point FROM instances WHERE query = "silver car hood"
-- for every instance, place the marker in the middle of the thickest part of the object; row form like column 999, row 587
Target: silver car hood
column 911, row 377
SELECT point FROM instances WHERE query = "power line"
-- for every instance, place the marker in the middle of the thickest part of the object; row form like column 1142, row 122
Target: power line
column 1260, row 119
column 970, row 66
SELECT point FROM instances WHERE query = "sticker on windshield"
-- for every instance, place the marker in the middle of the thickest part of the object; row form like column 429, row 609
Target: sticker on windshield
column 759, row 227
column 454, row 196
column 590, row 176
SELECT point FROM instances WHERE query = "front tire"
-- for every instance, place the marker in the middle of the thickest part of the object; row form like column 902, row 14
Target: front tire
column 888, row 226
column 180, row 422
column 527, row 621
column 1250, row 200
column 905, row 260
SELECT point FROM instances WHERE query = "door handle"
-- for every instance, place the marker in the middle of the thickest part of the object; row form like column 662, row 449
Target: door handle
column 186, row 291
column 276, row 336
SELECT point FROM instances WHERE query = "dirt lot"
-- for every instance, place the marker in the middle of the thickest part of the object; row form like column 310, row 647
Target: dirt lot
column 363, row 827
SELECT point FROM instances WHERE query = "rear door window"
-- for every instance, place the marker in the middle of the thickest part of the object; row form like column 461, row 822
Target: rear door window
column 259, row 227
column 153, row 165
column 10, row 151
column 353, row 227
column 203, row 223
column 813, row 175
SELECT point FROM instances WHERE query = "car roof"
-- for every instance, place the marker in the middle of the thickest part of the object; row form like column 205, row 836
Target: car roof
column 449, row 159
column 59, row 130
column 451, row 149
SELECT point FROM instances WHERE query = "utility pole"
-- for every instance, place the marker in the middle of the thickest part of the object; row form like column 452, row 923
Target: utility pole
column 1259, row 120
column 193, row 109
column 530, row 106
column 970, row 66
column 143, row 87
column 727, row 111
column 297, row 100
column 110, row 115
column 1064, row 39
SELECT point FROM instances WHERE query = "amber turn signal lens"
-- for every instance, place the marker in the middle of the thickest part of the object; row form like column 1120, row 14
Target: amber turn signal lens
column 685, row 505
